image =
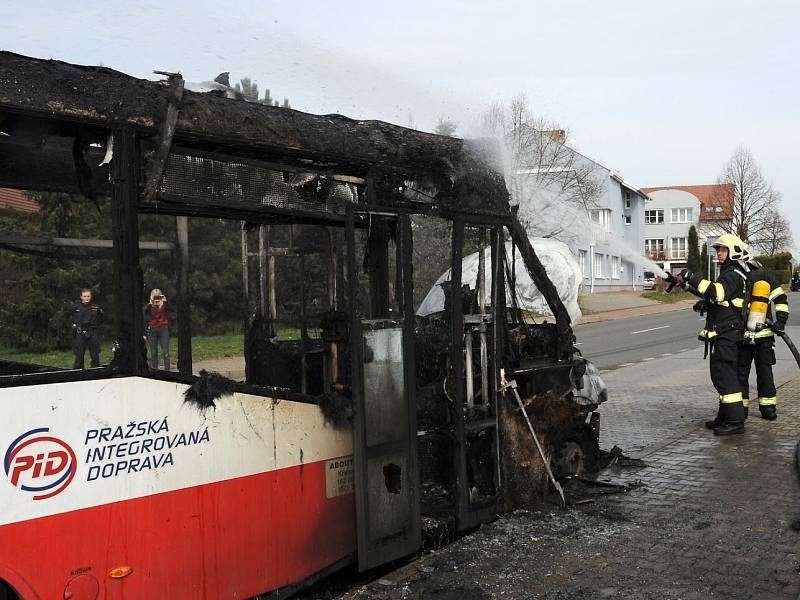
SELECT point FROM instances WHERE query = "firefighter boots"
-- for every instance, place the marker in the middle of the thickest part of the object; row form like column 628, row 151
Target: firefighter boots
column 732, row 417
column 768, row 412
column 716, row 421
column 730, row 428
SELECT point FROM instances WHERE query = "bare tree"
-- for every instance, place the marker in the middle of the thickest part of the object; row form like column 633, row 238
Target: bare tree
column 776, row 235
column 544, row 175
column 754, row 199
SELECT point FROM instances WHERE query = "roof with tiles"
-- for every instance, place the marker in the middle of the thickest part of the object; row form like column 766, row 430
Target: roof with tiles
column 11, row 199
column 716, row 199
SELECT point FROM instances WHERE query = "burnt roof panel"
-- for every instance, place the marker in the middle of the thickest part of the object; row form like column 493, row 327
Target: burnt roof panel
column 105, row 98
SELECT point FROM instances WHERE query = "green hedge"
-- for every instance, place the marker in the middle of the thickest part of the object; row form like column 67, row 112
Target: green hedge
column 777, row 262
column 779, row 265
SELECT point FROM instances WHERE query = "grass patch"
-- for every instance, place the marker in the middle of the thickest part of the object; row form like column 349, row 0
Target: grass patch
column 203, row 348
column 669, row 298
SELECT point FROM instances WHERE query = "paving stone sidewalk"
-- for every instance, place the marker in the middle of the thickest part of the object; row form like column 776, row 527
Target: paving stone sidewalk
column 610, row 312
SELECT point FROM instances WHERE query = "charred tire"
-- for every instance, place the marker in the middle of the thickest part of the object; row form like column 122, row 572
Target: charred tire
column 575, row 452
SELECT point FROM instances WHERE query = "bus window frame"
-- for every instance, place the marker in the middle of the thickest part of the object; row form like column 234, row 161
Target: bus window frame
column 210, row 211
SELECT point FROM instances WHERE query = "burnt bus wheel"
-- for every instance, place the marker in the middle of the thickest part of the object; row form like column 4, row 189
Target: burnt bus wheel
column 575, row 452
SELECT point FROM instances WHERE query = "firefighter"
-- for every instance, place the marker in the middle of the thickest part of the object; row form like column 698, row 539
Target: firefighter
column 758, row 345
column 723, row 331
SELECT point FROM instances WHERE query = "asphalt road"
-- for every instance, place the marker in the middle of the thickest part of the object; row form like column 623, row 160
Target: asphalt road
column 619, row 343
column 623, row 342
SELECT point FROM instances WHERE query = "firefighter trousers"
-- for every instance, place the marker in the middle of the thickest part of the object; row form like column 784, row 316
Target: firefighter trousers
column 724, row 376
column 762, row 354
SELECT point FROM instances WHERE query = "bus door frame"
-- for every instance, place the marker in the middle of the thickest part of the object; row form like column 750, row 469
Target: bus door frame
column 386, row 472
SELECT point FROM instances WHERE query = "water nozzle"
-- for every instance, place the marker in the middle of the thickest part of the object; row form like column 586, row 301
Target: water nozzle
column 672, row 280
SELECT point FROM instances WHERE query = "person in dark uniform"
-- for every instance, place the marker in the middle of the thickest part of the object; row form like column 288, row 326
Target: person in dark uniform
column 85, row 318
column 723, row 331
column 758, row 346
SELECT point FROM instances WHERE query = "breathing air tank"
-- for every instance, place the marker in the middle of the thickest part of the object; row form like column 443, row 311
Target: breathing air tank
column 757, row 312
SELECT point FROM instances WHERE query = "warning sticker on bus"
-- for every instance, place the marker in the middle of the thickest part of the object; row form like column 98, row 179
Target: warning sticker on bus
column 339, row 477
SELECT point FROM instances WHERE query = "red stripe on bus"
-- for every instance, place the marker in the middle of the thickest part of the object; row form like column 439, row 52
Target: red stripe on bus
column 234, row 538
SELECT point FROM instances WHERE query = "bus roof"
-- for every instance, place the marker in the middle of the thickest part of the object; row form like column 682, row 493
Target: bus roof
column 76, row 101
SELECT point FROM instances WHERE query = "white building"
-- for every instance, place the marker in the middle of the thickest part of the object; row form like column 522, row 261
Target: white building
column 608, row 261
column 674, row 209
column 569, row 197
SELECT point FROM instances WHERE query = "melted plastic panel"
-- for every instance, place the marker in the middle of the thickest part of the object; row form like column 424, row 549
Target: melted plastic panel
column 388, row 488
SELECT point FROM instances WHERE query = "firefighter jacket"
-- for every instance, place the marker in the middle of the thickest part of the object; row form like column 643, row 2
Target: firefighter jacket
column 778, row 302
column 723, row 319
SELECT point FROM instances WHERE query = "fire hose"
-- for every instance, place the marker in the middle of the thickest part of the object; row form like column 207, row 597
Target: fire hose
column 789, row 344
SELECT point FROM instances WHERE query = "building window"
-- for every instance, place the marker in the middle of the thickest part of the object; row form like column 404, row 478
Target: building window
column 678, row 247
column 681, row 215
column 628, row 202
column 602, row 216
column 583, row 263
column 654, row 249
column 710, row 209
column 615, row 267
column 653, row 217
column 627, row 195
column 598, row 266
column 627, row 219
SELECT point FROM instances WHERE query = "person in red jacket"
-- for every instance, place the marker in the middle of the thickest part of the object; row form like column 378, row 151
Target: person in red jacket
column 155, row 316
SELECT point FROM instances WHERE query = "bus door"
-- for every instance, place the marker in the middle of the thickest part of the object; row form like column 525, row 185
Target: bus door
column 384, row 428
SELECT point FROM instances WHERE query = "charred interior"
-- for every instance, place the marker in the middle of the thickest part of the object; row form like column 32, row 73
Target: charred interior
column 313, row 239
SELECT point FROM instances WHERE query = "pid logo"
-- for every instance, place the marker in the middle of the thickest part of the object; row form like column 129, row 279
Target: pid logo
column 40, row 464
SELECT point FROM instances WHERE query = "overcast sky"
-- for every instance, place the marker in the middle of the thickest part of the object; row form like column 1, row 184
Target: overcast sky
column 662, row 91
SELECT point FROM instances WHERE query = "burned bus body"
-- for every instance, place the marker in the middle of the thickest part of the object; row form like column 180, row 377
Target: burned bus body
column 337, row 417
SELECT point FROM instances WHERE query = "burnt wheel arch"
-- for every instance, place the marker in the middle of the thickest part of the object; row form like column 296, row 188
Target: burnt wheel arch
column 575, row 451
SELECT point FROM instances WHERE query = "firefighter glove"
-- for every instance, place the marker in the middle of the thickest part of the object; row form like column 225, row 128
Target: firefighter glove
column 686, row 275
column 700, row 306
column 778, row 326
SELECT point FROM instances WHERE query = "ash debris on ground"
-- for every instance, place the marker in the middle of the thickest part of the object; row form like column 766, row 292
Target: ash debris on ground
column 552, row 554
column 509, row 558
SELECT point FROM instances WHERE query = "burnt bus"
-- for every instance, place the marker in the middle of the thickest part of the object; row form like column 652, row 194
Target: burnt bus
column 313, row 420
